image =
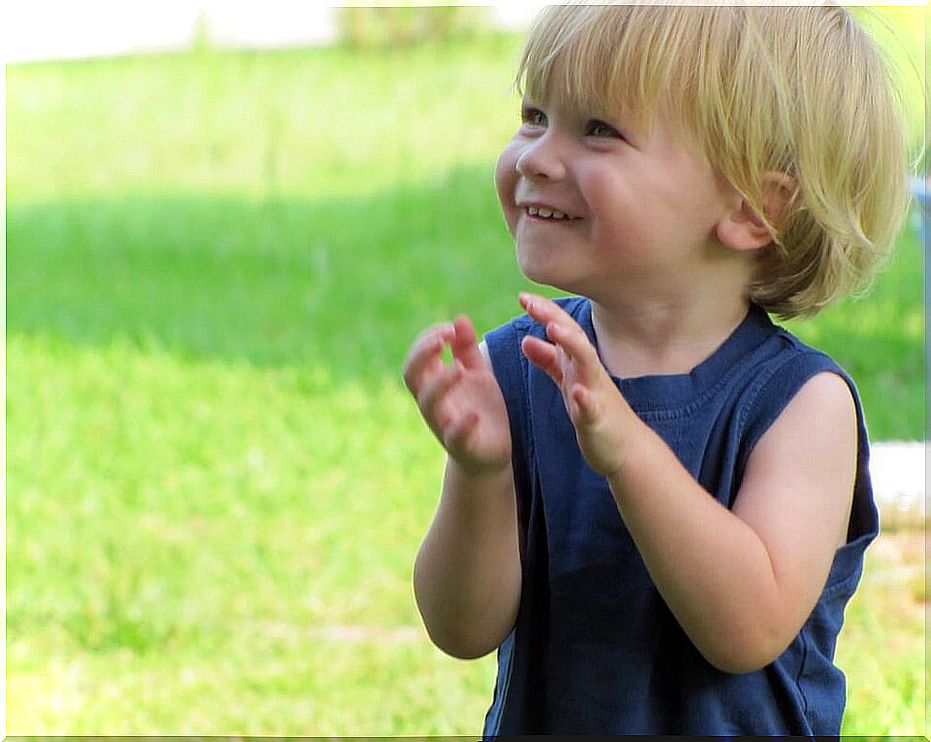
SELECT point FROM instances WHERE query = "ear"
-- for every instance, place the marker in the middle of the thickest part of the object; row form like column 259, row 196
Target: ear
column 742, row 228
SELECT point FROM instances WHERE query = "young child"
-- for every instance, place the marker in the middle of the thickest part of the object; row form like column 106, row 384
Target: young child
column 656, row 501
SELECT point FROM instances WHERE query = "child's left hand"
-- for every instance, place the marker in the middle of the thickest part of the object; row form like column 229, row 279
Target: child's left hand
column 602, row 418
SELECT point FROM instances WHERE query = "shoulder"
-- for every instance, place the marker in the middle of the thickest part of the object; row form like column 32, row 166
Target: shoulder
column 788, row 377
column 822, row 411
column 802, row 398
column 826, row 392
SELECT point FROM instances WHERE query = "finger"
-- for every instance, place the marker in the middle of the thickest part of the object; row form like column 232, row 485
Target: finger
column 424, row 354
column 543, row 310
column 573, row 340
column 544, row 356
column 428, row 343
column 464, row 343
column 423, row 362
column 434, row 389
column 575, row 344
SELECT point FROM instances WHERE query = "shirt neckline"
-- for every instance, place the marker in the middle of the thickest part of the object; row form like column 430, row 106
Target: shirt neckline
column 671, row 390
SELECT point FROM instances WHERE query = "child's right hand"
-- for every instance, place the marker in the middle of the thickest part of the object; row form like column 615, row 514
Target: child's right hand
column 461, row 403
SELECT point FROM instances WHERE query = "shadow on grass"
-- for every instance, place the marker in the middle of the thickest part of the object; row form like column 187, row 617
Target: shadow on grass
column 342, row 284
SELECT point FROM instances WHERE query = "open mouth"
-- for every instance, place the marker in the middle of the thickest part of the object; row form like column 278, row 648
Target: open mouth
column 551, row 214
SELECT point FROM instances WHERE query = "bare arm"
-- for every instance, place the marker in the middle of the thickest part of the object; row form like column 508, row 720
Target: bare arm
column 467, row 574
column 741, row 583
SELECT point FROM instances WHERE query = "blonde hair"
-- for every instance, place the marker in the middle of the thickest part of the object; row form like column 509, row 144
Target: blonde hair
column 797, row 90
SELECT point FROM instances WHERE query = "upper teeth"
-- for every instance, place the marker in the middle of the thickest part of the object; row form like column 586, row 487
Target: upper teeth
column 546, row 213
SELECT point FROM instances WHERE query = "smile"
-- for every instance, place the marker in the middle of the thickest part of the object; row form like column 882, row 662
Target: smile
column 544, row 213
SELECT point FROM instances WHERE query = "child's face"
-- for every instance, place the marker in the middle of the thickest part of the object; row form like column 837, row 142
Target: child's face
column 634, row 206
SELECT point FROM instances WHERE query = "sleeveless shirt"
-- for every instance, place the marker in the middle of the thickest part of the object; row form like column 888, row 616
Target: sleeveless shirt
column 594, row 648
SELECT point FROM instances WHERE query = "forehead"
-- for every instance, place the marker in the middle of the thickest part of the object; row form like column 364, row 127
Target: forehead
column 559, row 85
column 562, row 86
column 631, row 63
column 593, row 59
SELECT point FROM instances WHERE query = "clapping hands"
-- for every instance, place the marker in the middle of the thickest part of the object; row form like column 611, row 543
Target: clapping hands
column 463, row 405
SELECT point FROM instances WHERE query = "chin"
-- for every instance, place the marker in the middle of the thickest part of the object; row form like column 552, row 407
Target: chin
column 531, row 268
column 545, row 275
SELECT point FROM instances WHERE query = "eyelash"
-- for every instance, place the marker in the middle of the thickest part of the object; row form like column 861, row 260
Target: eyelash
column 528, row 114
column 611, row 131
column 528, row 117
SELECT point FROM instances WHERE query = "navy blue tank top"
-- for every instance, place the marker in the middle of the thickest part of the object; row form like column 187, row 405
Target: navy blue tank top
column 594, row 648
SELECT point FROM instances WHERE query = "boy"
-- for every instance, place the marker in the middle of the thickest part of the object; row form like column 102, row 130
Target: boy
column 656, row 502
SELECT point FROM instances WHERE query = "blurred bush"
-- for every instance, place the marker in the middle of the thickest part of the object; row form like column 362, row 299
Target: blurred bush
column 381, row 27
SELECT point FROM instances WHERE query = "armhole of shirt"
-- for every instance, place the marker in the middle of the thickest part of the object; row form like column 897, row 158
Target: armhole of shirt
column 770, row 397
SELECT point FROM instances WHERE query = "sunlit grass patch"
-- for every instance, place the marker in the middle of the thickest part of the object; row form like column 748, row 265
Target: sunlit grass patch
column 252, row 684
column 882, row 645
column 226, row 549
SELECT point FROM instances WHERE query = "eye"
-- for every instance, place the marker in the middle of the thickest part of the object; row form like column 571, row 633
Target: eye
column 532, row 116
column 596, row 128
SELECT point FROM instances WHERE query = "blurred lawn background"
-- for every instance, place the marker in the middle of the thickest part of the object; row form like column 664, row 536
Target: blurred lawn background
column 216, row 261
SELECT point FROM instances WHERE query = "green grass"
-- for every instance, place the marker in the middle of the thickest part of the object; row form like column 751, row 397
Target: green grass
column 344, row 283
column 292, row 283
column 215, row 548
column 217, row 484
column 314, row 123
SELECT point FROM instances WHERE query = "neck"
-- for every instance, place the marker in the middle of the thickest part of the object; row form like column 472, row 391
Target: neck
column 670, row 335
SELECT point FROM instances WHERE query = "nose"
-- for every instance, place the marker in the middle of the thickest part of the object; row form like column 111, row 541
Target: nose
column 541, row 159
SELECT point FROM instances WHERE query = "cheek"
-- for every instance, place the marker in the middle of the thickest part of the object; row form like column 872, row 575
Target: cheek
column 612, row 202
column 706, row 198
column 506, row 177
column 601, row 190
